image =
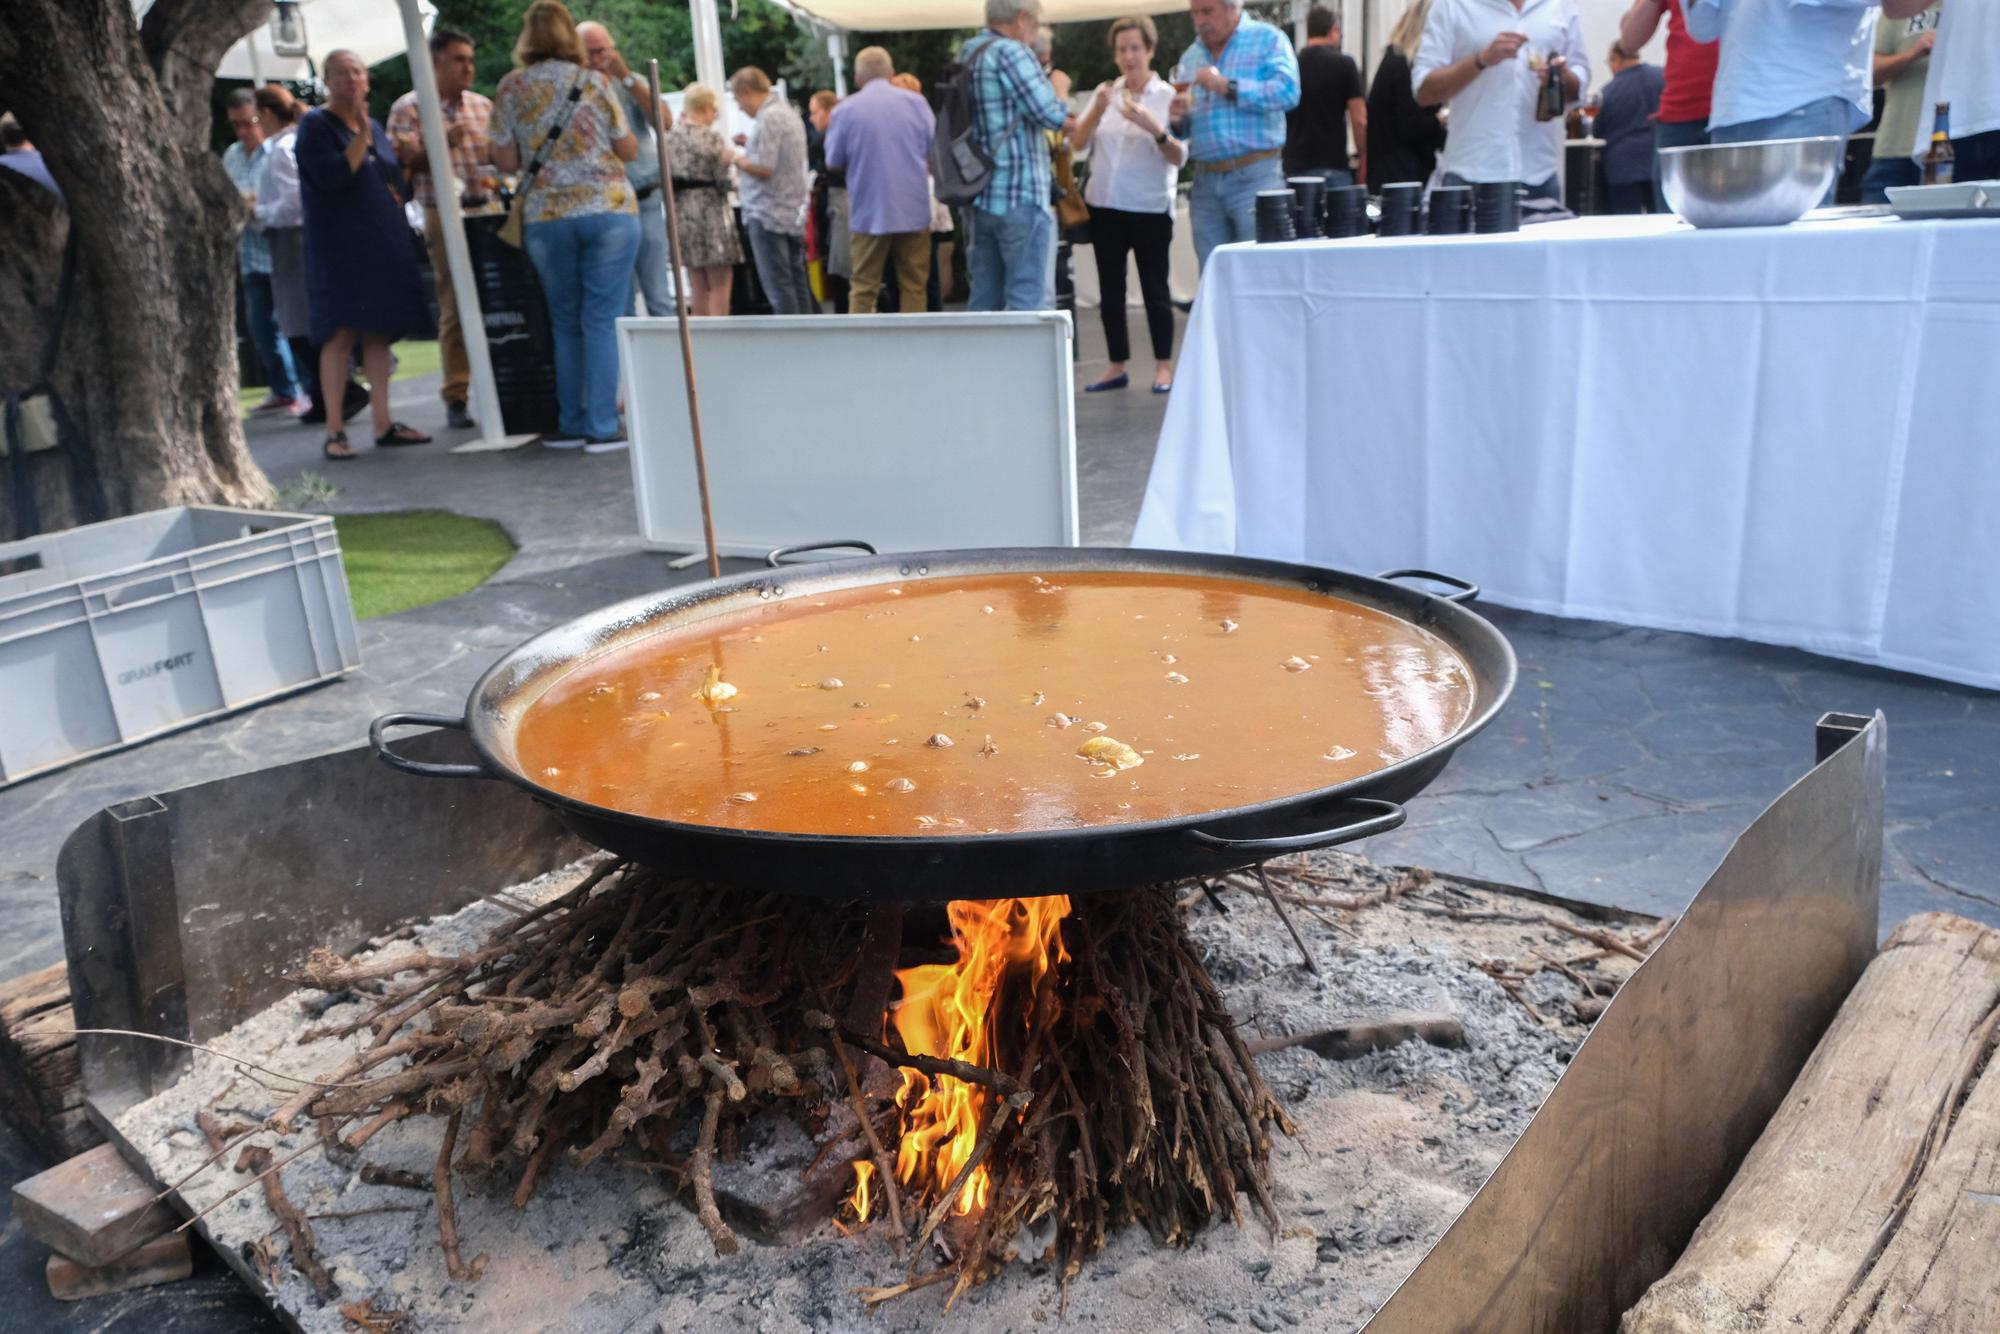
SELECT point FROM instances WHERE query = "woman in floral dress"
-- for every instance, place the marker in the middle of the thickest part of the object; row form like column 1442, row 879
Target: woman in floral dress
column 709, row 248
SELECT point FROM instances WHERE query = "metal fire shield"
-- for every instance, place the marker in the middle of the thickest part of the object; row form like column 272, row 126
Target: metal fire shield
column 1661, row 1102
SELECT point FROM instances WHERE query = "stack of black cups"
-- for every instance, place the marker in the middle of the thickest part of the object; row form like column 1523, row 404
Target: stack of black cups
column 1274, row 216
column 1496, row 206
column 1450, row 212
column 1399, row 208
column 1347, row 211
column 1308, row 203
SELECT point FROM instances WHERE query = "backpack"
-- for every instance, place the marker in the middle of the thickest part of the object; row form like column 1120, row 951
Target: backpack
column 960, row 167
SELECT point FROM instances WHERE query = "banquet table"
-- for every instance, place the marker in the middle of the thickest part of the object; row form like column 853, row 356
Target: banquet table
column 1784, row 434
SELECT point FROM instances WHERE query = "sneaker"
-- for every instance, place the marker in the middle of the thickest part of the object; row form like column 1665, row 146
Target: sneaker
column 272, row 403
column 301, row 406
column 562, row 442
column 457, row 418
column 610, row 446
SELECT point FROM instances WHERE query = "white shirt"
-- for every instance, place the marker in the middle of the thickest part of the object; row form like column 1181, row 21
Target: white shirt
column 1965, row 71
column 1494, row 134
column 278, row 202
column 1127, row 169
column 1781, row 55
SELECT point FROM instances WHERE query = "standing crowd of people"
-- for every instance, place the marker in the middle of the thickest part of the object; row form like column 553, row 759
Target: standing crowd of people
column 839, row 208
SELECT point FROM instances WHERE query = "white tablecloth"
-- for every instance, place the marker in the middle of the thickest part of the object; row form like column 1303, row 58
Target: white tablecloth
column 1782, row 434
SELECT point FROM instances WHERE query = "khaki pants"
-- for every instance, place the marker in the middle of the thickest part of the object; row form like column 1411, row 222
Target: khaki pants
column 871, row 255
column 451, row 339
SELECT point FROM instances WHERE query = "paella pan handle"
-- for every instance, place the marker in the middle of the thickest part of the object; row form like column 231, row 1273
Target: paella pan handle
column 776, row 556
column 1467, row 590
column 1377, row 817
column 421, row 768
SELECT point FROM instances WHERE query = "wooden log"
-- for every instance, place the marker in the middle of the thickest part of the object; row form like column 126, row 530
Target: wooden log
column 1860, row 1206
column 41, row 1073
column 92, row 1208
column 166, row 1259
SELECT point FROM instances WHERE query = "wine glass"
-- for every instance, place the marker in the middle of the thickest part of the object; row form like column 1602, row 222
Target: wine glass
column 1183, row 76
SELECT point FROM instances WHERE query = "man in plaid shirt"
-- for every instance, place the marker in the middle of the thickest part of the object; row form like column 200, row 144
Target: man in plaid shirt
column 1238, row 80
column 1013, row 233
column 466, row 116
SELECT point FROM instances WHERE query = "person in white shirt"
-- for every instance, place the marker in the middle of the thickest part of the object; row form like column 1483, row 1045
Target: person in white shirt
column 1965, row 71
column 1134, row 165
column 1487, row 59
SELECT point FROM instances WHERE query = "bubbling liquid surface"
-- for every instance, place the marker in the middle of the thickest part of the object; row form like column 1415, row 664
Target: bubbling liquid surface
column 996, row 704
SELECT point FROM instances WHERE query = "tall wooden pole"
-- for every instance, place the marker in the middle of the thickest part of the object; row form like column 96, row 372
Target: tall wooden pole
column 687, row 343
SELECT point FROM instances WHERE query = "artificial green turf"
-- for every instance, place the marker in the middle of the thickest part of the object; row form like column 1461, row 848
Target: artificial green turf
column 411, row 558
column 412, row 359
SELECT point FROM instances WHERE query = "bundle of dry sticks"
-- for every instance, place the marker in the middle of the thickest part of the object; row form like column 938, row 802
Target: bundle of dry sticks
column 638, row 1012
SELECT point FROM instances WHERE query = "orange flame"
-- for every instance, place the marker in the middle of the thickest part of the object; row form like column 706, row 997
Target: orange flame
column 946, row 1011
column 862, row 1199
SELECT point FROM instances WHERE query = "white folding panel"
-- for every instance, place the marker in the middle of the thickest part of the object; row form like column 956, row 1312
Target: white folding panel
column 913, row 432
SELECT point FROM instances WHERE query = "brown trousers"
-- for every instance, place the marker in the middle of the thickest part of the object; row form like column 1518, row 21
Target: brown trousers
column 871, row 255
column 451, row 338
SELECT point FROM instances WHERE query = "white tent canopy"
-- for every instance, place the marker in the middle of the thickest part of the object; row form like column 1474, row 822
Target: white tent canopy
column 372, row 29
column 915, row 15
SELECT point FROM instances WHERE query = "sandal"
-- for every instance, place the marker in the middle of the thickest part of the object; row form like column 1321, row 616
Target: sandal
column 337, row 448
column 399, row 434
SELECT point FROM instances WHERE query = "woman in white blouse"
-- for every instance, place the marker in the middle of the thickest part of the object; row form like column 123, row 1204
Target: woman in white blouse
column 1134, row 164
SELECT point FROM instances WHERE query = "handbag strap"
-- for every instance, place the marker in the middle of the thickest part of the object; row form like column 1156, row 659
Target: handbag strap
column 555, row 132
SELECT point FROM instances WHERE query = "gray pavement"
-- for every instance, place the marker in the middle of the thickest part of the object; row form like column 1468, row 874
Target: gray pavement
column 1625, row 764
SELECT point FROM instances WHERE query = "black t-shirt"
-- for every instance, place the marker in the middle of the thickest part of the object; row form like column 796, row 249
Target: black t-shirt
column 1316, row 129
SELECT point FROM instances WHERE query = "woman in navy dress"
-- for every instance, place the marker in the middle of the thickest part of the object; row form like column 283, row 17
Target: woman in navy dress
column 361, row 268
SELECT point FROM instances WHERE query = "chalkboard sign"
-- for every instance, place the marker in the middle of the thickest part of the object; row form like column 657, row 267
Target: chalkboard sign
column 518, row 338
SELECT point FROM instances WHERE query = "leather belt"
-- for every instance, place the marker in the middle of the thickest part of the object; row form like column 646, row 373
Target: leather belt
column 1236, row 163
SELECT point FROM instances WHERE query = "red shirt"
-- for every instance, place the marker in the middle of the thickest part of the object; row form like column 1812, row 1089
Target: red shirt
column 1690, row 71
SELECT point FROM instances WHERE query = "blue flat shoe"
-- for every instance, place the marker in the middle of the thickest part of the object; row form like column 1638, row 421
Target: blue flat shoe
column 1108, row 382
column 1167, row 388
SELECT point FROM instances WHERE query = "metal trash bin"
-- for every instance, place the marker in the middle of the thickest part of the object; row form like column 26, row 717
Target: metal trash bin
column 116, row 632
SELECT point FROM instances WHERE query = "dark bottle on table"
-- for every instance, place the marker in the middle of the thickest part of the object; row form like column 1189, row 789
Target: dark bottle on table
column 1549, row 105
column 1939, row 160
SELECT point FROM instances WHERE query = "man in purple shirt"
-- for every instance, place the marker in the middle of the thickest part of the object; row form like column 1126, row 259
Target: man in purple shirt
column 882, row 137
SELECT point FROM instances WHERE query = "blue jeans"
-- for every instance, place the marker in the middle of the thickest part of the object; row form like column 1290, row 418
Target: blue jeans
column 781, row 267
column 585, row 265
column 262, row 317
column 1828, row 115
column 1673, row 134
column 656, row 286
column 1884, row 172
column 1008, row 264
column 1222, row 205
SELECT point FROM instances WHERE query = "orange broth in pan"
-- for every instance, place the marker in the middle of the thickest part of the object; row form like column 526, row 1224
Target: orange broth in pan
column 996, row 704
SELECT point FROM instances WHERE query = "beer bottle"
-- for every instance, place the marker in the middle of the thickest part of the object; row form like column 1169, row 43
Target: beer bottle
column 1939, row 160
column 1550, row 105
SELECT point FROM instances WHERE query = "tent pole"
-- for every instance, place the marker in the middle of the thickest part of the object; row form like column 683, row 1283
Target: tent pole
column 836, row 50
column 1299, row 8
column 465, row 292
column 708, row 45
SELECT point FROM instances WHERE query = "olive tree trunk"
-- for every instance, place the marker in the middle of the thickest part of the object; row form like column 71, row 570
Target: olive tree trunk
column 146, row 367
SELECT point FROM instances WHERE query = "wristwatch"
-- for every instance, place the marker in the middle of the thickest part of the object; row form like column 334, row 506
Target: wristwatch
column 1161, row 139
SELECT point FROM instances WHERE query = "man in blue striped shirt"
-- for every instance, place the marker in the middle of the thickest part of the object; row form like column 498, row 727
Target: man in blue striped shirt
column 1235, row 85
column 1013, row 102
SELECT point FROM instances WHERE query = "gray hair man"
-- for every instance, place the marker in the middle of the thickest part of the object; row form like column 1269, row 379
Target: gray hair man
column 650, row 271
column 1232, row 88
column 1013, row 235
column 772, row 158
column 881, row 137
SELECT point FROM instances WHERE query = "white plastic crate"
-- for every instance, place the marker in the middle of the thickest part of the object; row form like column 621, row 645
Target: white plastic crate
column 118, row 631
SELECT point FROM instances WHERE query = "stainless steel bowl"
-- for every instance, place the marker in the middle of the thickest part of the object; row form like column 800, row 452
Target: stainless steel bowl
column 1763, row 184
